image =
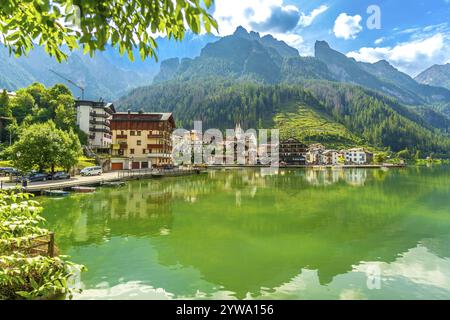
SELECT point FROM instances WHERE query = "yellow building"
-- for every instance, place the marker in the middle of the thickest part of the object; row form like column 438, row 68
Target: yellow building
column 141, row 140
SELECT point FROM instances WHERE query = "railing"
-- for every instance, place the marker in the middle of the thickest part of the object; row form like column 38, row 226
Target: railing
column 121, row 136
column 155, row 136
column 154, row 171
column 41, row 245
column 155, row 146
column 99, row 115
column 105, row 130
column 103, row 123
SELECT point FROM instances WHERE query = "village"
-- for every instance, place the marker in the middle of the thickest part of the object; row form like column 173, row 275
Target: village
column 139, row 140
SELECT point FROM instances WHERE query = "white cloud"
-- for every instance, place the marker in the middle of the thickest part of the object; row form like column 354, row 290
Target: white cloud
column 411, row 57
column 274, row 17
column 379, row 40
column 307, row 20
column 231, row 14
column 347, row 27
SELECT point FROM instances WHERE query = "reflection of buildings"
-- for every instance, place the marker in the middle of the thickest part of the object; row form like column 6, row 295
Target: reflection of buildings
column 355, row 177
column 242, row 240
column 327, row 176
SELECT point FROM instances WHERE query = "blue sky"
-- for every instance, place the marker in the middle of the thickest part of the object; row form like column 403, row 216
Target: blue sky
column 413, row 35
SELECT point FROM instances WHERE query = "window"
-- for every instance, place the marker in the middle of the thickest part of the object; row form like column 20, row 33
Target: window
column 122, row 133
column 139, row 142
column 132, row 151
column 132, row 133
column 139, row 133
column 144, row 151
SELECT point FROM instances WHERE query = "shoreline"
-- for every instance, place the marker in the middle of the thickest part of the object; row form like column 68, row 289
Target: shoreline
column 123, row 176
column 353, row 166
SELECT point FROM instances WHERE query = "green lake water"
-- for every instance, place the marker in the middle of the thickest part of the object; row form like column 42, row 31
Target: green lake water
column 262, row 234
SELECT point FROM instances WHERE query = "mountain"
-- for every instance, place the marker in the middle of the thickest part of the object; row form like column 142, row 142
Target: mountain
column 261, row 82
column 338, row 115
column 380, row 76
column 437, row 75
column 107, row 74
column 246, row 55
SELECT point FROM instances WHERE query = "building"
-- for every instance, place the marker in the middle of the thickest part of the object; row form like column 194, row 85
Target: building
column 357, row 156
column 93, row 118
column 11, row 94
column 293, row 152
column 314, row 154
column 329, row 157
column 141, row 140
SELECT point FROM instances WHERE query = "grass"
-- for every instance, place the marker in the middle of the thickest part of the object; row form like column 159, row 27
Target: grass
column 312, row 126
column 84, row 162
column 5, row 163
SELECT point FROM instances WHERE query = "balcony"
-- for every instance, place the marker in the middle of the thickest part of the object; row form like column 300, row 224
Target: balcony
column 99, row 115
column 155, row 146
column 121, row 136
column 150, row 136
column 105, row 123
column 123, row 145
column 105, row 130
column 159, row 155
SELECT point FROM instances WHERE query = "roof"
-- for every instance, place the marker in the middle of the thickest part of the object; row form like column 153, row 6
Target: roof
column 161, row 116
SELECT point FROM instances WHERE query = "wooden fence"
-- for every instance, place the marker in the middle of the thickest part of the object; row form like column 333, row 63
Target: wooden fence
column 41, row 245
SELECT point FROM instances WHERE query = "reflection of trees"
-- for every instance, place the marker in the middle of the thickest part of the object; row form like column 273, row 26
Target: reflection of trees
column 245, row 230
column 268, row 239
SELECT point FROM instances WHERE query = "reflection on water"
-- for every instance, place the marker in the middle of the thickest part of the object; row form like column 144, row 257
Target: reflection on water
column 263, row 234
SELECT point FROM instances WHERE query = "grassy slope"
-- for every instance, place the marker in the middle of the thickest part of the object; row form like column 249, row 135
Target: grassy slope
column 311, row 126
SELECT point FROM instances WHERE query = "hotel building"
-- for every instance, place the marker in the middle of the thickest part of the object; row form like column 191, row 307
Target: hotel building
column 141, row 140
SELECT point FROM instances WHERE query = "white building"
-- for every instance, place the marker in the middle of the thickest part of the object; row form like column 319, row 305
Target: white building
column 357, row 156
column 329, row 157
column 94, row 118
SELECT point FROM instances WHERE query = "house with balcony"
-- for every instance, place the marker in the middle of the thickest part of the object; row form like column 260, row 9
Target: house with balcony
column 94, row 119
column 293, row 152
column 141, row 140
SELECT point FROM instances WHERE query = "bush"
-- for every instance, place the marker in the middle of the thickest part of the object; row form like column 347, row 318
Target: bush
column 23, row 273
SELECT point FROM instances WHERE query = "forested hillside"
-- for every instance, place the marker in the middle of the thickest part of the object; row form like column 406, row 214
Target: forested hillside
column 341, row 114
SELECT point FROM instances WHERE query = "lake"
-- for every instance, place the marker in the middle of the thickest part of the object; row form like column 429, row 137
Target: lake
column 262, row 234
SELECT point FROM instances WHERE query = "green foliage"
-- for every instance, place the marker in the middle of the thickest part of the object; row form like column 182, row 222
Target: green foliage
column 23, row 276
column 380, row 157
column 125, row 24
column 38, row 104
column 311, row 126
column 43, row 146
column 5, row 105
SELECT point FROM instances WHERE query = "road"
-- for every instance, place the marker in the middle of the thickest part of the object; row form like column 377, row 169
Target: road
column 75, row 181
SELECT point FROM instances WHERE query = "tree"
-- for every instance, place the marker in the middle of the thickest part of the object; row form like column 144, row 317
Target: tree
column 5, row 105
column 43, row 146
column 126, row 24
column 22, row 105
column 65, row 112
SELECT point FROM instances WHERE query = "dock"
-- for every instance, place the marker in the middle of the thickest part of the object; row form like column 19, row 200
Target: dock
column 109, row 179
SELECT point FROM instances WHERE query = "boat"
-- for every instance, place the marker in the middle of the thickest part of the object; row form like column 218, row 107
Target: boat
column 83, row 189
column 56, row 193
